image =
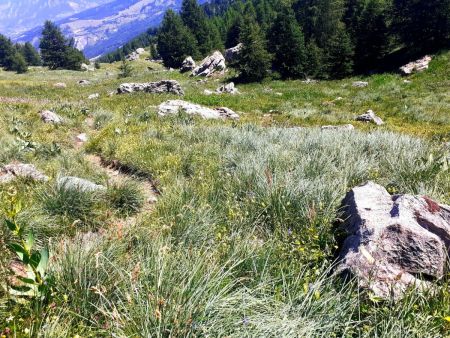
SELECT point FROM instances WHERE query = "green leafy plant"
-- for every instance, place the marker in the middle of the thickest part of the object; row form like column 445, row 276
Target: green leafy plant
column 36, row 282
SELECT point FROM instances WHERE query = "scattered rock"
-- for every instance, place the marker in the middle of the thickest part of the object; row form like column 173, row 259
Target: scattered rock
column 82, row 138
column 94, row 96
column 208, row 92
column 60, row 85
column 87, row 68
column 172, row 107
column 50, row 117
column 344, row 127
column 140, row 51
column 393, row 241
column 370, row 116
column 132, row 57
column 188, row 65
column 416, row 66
column 360, row 84
column 164, row 86
column 80, row 184
column 233, row 54
column 84, row 82
column 309, row 81
column 210, row 65
column 12, row 171
column 227, row 89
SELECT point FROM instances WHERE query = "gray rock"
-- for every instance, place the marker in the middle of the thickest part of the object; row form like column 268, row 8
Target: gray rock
column 82, row 138
column 172, row 107
column 212, row 64
column 80, row 184
column 393, row 241
column 50, row 117
column 371, row 117
column 140, row 51
column 344, row 127
column 233, row 54
column 12, row 171
column 188, row 65
column 84, row 82
column 164, row 86
column 132, row 57
column 227, row 89
column 60, row 85
column 87, row 68
column 360, row 84
column 94, row 96
column 416, row 66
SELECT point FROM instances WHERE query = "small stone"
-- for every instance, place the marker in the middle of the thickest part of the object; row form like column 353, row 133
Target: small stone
column 94, row 96
column 50, row 117
column 82, row 138
column 360, row 84
column 61, row 85
column 228, row 89
column 84, row 82
column 370, row 116
column 344, row 127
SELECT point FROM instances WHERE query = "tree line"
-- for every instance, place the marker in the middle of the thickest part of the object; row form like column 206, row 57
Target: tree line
column 306, row 38
column 56, row 52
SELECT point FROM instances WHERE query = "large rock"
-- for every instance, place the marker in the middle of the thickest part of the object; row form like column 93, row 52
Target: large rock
column 132, row 57
column 87, row 68
column 210, row 65
column 393, row 242
column 140, row 51
column 12, row 171
column 50, row 117
column 416, row 66
column 178, row 106
column 164, row 86
column 79, row 184
column 233, row 54
column 188, row 65
column 370, row 117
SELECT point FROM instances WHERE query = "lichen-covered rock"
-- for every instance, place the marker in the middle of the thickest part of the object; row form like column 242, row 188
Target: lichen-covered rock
column 416, row 66
column 164, row 86
column 393, row 241
column 172, row 107
column 188, row 65
column 360, row 84
column 12, row 171
column 370, row 117
column 210, row 65
column 233, row 54
column 50, row 117
column 80, row 184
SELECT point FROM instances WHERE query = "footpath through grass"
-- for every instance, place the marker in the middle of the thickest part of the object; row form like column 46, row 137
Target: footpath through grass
column 243, row 237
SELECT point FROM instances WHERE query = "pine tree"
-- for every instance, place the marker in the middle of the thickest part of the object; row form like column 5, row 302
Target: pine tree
column 234, row 32
column 126, row 69
column 31, row 55
column 254, row 60
column 287, row 45
column 73, row 57
column 340, row 53
column 315, row 63
column 7, row 53
column 53, row 46
column 195, row 20
column 175, row 41
column 19, row 64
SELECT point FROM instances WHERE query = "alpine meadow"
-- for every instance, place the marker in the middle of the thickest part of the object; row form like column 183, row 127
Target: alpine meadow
column 238, row 168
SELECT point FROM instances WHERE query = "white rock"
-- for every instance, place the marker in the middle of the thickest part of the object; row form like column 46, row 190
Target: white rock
column 173, row 107
column 370, row 116
column 232, row 54
column 210, row 65
column 140, row 51
column 80, row 184
column 12, row 171
column 164, row 86
column 188, row 65
column 60, row 85
column 416, row 66
column 94, row 96
column 344, row 127
column 82, row 138
column 360, row 84
column 50, row 117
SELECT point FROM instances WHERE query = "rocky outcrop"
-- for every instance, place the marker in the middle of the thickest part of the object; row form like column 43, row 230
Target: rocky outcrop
column 416, row 66
column 188, row 65
column 360, row 84
column 370, row 117
column 87, row 68
column 173, row 107
column 12, row 171
column 233, row 54
column 393, row 242
column 344, row 127
column 164, row 86
column 140, row 51
column 132, row 57
column 50, row 117
column 79, row 184
column 213, row 64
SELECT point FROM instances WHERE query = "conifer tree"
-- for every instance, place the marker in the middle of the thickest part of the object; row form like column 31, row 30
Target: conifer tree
column 314, row 63
column 287, row 44
column 19, row 65
column 254, row 60
column 195, row 20
column 340, row 53
column 53, row 46
column 7, row 52
column 175, row 41
column 31, row 55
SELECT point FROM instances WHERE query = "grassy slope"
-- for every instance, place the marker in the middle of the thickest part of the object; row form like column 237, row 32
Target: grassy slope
column 242, row 238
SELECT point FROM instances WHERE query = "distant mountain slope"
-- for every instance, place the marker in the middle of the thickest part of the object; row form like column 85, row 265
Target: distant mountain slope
column 18, row 16
column 107, row 27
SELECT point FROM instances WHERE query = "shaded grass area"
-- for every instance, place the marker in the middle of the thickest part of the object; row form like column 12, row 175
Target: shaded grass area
column 242, row 240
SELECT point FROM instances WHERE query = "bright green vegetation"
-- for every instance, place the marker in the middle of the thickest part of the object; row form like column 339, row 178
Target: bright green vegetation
column 242, row 240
